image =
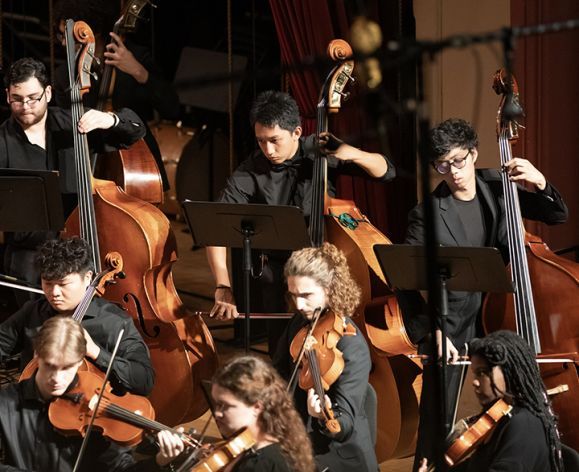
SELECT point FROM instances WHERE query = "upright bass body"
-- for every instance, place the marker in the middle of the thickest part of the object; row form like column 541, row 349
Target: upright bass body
column 181, row 347
column 394, row 376
column 555, row 283
column 544, row 308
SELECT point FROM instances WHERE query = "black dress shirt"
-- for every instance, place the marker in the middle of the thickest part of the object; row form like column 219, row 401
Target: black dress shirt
column 257, row 180
column 155, row 95
column 29, row 442
column 132, row 369
column 267, row 459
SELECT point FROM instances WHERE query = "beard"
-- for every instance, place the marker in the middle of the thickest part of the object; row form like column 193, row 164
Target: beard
column 30, row 117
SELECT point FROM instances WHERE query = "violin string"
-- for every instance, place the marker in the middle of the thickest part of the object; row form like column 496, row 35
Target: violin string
column 524, row 306
column 317, row 378
column 135, row 419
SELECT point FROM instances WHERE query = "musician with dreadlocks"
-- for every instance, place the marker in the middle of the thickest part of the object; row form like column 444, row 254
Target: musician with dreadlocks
column 504, row 367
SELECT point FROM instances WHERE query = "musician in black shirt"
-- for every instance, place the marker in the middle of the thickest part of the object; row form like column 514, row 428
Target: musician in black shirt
column 280, row 173
column 504, row 367
column 39, row 137
column 28, row 440
column 66, row 271
column 469, row 210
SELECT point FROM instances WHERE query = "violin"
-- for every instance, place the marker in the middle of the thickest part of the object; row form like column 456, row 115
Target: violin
column 477, row 432
column 121, row 419
column 224, row 455
column 322, row 362
column 114, row 269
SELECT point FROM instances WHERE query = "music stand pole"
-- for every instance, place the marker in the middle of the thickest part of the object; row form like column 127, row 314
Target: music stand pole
column 247, row 226
column 247, row 231
column 443, row 345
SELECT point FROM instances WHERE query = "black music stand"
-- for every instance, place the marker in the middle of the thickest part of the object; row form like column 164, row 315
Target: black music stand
column 246, row 226
column 468, row 269
column 30, row 200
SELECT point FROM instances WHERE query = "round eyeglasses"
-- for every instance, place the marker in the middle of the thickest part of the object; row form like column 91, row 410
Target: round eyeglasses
column 30, row 101
column 443, row 167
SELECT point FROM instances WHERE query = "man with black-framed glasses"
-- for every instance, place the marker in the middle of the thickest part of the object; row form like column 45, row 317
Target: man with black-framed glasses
column 468, row 210
column 39, row 137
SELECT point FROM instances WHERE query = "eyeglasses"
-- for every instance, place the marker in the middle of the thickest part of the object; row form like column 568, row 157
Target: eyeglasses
column 443, row 167
column 20, row 102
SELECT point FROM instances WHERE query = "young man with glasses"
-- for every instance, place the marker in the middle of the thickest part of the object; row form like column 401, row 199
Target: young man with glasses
column 468, row 210
column 39, row 137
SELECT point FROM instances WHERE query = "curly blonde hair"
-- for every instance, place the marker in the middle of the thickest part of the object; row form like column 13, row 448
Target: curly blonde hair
column 252, row 380
column 328, row 267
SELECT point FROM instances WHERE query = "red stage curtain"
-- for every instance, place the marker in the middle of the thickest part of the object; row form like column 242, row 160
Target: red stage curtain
column 304, row 29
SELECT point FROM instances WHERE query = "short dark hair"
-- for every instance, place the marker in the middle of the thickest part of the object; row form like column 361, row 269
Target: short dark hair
column 58, row 258
column 24, row 69
column 450, row 134
column 100, row 15
column 272, row 108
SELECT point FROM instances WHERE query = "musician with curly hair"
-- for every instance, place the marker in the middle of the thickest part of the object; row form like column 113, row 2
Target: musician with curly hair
column 504, row 366
column 249, row 394
column 319, row 278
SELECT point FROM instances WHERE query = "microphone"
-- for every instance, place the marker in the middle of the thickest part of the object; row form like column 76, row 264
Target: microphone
column 366, row 38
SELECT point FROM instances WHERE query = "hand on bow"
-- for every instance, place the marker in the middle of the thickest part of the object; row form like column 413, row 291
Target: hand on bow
column 521, row 170
column 451, row 351
column 117, row 55
column 224, row 307
column 315, row 406
column 170, row 447
column 423, row 466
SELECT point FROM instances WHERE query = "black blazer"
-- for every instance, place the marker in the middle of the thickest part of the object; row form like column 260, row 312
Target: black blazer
column 546, row 206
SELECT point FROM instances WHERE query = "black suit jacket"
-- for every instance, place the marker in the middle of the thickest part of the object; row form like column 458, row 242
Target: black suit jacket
column 546, row 206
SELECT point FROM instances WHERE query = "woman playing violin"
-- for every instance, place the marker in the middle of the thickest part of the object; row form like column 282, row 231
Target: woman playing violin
column 248, row 393
column 28, row 441
column 504, row 367
column 319, row 278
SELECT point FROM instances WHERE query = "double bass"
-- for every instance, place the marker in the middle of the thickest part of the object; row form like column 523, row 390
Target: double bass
column 543, row 309
column 340, row 222
column 133, row 169
column 181, row 348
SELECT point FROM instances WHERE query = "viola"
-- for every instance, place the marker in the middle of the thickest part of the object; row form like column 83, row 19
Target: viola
column 122, row 419
column 223, row 455
column 114, row 269
column 477, row 432
column 322, row 362
column 181, row 347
